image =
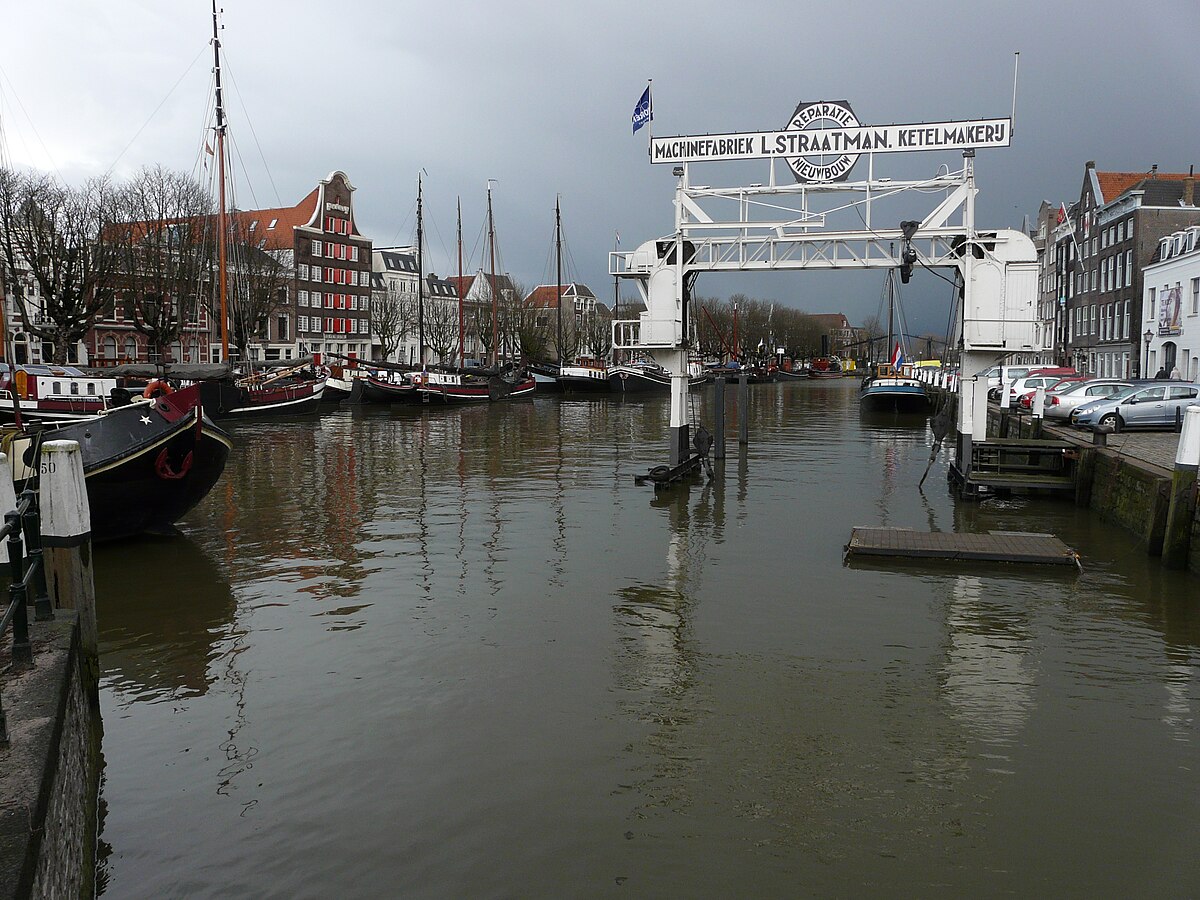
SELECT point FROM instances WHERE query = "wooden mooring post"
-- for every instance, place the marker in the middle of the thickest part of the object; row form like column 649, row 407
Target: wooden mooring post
column 743, row 410
column 719, row 415
column 1181, row 510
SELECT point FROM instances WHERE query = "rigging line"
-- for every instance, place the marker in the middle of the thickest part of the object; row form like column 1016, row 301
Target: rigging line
column 150, row 118
column 206, row 126
column 250, row 122
column 409, row 214
column 13, row 90
column 237, row 152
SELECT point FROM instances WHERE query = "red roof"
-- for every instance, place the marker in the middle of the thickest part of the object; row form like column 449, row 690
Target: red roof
column 1114, row 184
column 462, row 285
column 285, row 218
column 543, row 296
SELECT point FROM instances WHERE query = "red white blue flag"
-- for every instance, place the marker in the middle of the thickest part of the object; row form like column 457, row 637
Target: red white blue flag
column 897, row 357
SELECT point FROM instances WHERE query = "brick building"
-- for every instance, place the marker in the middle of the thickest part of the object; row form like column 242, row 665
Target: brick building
column 329, row 302
column 1111, row 234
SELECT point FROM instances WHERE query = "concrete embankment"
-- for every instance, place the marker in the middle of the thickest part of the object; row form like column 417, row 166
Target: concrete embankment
column 49, row 771
column 49, row 692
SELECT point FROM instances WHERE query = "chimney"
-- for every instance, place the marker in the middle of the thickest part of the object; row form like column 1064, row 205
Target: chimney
column 1154, row 171
column 1189, row 191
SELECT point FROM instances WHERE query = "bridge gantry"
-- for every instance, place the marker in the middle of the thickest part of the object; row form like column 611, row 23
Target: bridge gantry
column 795, row 227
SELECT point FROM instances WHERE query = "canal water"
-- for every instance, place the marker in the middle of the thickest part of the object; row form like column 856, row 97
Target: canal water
column 458, row 653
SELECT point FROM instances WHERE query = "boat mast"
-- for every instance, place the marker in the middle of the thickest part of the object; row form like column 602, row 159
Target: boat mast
column 420, row 279
column 221, row 226
column 558, row 275
column 492, row 252
column 462, row 333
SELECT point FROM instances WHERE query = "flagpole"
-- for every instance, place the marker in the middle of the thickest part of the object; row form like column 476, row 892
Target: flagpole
column 650, row 120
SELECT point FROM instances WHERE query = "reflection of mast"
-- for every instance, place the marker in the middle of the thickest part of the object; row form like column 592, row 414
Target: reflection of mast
column 221, row 227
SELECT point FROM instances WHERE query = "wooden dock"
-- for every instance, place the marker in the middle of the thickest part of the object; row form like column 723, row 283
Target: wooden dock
column 995, row 546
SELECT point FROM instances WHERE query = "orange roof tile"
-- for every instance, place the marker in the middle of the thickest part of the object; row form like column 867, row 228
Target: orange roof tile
column 1114, row 184
column 286, row 218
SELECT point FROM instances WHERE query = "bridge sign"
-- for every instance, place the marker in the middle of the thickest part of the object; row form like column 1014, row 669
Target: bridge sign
column 823, row 140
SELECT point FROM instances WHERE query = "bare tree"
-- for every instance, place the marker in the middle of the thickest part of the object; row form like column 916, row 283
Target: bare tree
column 393, row 317
column 164, row 248
column 596, row 332
column 51, row 238
column 258, row 286
column 441, row 327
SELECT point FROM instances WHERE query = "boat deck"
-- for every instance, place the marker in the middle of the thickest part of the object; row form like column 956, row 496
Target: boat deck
column 995, row 546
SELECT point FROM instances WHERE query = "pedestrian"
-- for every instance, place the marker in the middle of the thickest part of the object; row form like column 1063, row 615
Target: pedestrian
column 1161, row 374
column 1175, row 374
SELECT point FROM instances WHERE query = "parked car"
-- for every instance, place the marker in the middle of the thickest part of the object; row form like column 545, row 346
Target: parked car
column 1060, row 404
column 1141, row 406
column 1028, row 384
column 1002, row 374
column 1025, row 401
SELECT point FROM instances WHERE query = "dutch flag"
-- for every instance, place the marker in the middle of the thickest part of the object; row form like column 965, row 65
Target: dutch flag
column 897, row 357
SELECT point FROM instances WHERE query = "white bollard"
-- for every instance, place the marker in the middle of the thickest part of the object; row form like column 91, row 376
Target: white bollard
column 1039, row 403
column 8, row 492
column 67, row 538
column 1005, row 401
column 1187, row 454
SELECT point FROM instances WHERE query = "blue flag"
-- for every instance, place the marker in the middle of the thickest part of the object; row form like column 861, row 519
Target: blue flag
column 644, row 111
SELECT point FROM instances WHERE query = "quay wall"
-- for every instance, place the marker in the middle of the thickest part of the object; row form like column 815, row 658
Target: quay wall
column 1127, row 491
column 49, row 772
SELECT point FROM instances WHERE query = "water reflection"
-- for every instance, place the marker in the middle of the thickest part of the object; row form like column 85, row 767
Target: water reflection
column 986, row 677
column 158, row 641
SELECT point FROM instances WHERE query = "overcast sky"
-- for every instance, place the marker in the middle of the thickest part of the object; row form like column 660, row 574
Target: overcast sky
column 538, row 96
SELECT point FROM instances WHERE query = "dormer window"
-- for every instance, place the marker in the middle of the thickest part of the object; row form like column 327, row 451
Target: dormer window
column 1164, row 248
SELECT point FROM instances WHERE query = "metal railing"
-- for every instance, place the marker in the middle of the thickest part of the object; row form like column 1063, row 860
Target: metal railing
column 21, row 532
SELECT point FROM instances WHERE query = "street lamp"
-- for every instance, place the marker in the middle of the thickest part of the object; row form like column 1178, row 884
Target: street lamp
column 1147, row 337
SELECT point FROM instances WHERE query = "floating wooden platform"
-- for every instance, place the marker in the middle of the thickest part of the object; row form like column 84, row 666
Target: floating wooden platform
column 995, row 546
column 663, row 477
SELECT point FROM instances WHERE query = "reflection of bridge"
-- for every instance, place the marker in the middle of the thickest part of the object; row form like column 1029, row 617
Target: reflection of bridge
column 827, row 226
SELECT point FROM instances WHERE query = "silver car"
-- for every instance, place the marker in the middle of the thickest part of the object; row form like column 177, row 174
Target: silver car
column 1148, row 406
column 1060, row 404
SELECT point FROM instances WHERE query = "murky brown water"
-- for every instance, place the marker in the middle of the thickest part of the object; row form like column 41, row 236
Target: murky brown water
column 457, row 653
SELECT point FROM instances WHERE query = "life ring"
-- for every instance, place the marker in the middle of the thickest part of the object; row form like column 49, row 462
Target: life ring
column 157, row 388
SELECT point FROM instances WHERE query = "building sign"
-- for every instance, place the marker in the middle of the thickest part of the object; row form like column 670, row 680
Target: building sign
column 337, row 207
column 823, row 141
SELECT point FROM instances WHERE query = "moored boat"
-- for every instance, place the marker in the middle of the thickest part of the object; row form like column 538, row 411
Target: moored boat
column 825, row 367
column 889, row 388
column 586, row 376
column 52, row 393
column 453, row 387
column 145, row 464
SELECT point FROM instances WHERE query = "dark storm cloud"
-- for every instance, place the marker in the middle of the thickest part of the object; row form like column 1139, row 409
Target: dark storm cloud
column 539, row 96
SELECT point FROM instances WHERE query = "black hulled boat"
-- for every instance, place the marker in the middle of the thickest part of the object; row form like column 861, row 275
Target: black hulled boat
column 145, row 464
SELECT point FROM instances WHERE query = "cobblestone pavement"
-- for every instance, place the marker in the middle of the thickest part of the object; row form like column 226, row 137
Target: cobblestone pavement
column 1154, row 447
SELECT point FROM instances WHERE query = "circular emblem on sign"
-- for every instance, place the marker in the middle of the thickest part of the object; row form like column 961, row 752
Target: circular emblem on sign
column 823, row 160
